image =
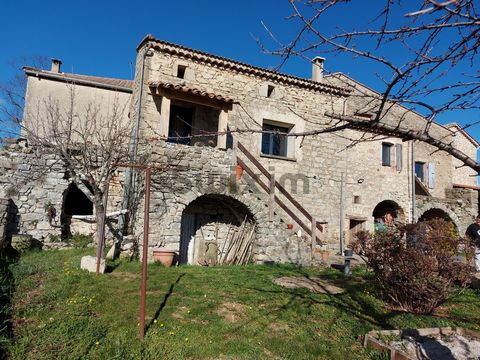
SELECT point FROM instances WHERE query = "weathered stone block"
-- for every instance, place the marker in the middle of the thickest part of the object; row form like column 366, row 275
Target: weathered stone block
column 89, row 263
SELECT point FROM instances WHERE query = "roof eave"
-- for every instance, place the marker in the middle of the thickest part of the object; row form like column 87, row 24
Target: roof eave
column 65, row 79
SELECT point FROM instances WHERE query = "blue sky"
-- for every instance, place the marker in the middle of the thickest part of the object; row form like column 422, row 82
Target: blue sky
column 100, row 37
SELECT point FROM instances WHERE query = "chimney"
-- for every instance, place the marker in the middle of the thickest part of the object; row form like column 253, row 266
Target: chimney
column 56, row 65
column 317, row 68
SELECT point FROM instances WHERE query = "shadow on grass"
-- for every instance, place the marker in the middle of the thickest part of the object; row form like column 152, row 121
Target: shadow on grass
column 353, row 302
column 7, row 257
column 164, row 302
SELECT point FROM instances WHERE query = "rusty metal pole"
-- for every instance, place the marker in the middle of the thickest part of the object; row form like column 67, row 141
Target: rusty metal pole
column 101, row 242
column 143, row 291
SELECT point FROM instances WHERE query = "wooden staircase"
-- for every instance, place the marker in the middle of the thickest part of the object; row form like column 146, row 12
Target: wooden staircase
column 290, row 206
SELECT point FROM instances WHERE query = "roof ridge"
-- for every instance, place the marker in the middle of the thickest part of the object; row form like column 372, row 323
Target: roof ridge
column 237, row 65
column 75, row 74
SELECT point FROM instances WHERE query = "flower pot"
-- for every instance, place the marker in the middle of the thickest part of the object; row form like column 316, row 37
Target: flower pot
column 239, row 172
column 165, row 256
column 21, row 242
column 325, row 256
column 348, row 252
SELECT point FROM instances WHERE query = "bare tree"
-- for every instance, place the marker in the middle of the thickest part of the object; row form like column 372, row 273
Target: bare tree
column 87, row 139
column 12, row 94
column 424, row 54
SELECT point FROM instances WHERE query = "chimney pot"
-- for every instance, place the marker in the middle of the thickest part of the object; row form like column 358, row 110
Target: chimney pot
column 317, row 68
column 56, row 63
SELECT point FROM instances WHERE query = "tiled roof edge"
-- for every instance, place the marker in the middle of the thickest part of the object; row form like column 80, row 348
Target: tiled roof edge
column 235, row 65
column 93, row 81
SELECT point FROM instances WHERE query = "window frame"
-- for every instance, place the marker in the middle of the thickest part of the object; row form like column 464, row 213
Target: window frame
column 272, row 137
column 422, row 166
column 387, row 148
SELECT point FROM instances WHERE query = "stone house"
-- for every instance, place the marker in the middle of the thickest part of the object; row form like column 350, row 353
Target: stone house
column 249, row 151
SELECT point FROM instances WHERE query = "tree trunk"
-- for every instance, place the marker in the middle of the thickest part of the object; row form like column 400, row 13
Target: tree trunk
column 100, row 220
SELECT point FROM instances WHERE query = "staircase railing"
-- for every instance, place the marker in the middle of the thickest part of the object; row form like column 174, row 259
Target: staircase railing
column 270, row 189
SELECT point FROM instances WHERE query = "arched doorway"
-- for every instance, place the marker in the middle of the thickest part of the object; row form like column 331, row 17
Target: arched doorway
column 388, row 206
column 436, row 213
column 209, row 226
column 75, row 202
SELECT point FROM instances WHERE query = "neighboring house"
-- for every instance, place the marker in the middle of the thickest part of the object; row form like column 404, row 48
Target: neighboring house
column 211, row 119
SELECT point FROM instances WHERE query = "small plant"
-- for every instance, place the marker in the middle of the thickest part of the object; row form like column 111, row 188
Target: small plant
column 11, row 191
column 51, row 212
column 54, row 238
column 232, row 186
column 416, row 270
column 81, row 240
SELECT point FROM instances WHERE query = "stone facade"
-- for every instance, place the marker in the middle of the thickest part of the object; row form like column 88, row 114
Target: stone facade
column 186, row 102
column 33, row 181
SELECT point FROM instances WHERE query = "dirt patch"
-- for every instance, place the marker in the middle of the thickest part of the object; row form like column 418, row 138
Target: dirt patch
column 124, row 275
column 316, row 285
column 446, row 348
column 232, row 312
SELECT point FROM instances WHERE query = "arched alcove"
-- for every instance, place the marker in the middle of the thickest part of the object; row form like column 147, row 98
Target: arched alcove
column 390, row 206
column 211, row 221
column 75, row 202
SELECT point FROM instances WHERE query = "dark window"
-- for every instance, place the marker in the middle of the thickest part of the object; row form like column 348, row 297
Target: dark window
column 270, row 89
column 274, row 140
column 386, row 154
column 420, row 170
column 356, row 199
column 181, row 71
column 180, row 128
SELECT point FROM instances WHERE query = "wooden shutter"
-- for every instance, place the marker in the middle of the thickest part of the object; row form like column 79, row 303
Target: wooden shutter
column 431, row 175
column 398, row 156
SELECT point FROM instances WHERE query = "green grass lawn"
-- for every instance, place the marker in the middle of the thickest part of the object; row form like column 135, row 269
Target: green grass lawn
column 233, row 312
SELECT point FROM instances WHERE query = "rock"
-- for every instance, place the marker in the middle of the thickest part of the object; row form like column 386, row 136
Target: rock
column 313, row 284
column 89, row 263
column 127, row 246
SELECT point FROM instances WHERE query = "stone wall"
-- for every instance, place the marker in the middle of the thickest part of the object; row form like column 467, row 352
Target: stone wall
column 462, row 174
column 31, row 180
column 197, row 172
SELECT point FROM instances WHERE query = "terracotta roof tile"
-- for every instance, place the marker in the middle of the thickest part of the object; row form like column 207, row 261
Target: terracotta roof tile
column 189, row 90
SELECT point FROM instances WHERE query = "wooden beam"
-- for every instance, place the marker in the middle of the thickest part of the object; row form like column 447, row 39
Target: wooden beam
column 191, row 98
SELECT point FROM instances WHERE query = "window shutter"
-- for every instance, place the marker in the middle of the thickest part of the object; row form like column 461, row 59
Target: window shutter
column 431, row 175
column 398, row 154
column 386, row 150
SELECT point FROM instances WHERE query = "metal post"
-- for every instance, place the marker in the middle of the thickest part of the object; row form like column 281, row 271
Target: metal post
column 101, row 225
column 143, row 291
column 342, row 215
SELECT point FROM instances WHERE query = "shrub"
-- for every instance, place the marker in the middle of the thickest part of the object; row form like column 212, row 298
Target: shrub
column 81, row 240
column 416, row 269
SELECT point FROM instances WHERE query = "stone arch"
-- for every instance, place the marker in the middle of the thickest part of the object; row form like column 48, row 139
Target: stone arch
column 75, row 202
column 208, row 222
column 389, row 206
column 435, row 210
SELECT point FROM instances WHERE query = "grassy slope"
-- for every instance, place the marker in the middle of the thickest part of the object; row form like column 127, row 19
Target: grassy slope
column 200, row 313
